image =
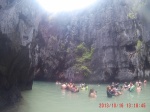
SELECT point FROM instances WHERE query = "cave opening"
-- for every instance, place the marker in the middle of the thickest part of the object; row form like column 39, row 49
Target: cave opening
column 131, row 67
column 112, row 77
column 146, row 64
column 130, row 48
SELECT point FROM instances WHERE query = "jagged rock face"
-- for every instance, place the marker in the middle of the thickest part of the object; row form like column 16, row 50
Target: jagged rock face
column 104, row 42
column 120, row 42
column 18, row 26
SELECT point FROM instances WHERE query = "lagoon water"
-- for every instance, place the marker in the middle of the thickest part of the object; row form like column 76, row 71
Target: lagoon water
column 48, row 97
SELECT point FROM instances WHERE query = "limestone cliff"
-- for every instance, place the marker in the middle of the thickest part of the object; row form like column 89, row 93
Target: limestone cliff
column 107, row 41
column 19, row 21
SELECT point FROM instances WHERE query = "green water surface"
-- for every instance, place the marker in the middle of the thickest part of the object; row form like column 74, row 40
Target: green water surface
column 48, row 97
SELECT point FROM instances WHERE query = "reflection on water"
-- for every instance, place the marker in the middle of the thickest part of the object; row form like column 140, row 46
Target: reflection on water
column 46, row 97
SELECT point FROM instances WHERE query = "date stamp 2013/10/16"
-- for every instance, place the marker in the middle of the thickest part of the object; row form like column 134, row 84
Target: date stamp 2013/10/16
column 122, row 105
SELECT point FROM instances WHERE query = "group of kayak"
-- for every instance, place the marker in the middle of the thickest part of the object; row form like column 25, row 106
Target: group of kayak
column 73, row 88
column 115, row 90
column 112, row 90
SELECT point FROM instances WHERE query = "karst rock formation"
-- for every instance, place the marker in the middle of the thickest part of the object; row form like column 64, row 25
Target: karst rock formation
column 108, row 40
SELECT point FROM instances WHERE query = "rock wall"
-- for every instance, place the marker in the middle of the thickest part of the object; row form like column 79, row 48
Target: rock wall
column 107, row 41
column 19, row 21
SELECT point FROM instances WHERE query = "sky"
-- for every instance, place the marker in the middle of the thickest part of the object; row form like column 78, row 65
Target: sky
column 64, row 5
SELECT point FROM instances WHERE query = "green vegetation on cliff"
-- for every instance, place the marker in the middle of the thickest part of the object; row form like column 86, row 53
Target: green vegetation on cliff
column 139, row 44
column 84, row 53
column 132, row 15
column 84, row 56
column 136, row 8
